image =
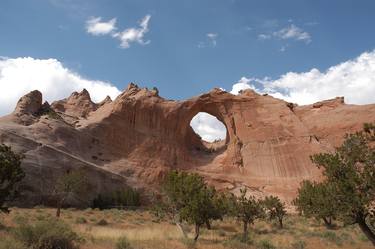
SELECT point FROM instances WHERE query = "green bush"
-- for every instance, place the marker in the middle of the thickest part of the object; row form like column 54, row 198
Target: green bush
column 127, row 197
column 265, row 244
column 46, row 234
column 299, row 244
column 81, row 220
column 123, row 243
column 11, row 243
column 332, row 237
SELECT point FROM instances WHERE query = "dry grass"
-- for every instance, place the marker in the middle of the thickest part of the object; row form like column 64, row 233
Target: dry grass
column 143, row 232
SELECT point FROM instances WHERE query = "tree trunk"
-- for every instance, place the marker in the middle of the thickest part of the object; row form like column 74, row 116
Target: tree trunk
column 327, row 221
column 196, row 232
column 366, row 230
column 245, row 230
column 58, row 211
column 281, row 222
column 208, row 224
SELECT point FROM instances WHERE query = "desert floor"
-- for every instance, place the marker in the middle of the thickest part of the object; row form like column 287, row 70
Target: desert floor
column 101, row 229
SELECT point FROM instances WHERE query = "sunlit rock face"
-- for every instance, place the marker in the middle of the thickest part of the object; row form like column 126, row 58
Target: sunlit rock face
column 139, row 136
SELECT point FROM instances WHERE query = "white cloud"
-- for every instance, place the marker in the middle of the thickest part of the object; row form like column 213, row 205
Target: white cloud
column 353, row 79
column 264, row 37
column 208, row 127
column 212, row 37
column 131, row 35
column 242, row 84
column 94, row 26
column 211, row 41
column 19, row 76
column 293, row 32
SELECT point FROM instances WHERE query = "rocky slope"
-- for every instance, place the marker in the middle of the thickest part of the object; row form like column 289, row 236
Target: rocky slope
column 134, row 139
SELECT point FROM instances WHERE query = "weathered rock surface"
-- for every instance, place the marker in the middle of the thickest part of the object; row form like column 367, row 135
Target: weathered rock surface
column 137, row 137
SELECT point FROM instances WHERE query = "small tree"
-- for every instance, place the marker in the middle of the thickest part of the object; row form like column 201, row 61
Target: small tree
column 191, row 200
column 349, row 184
column 247, row 210
column 11, row 174
column 275, row 209
column 71, row 183
column 316, row 200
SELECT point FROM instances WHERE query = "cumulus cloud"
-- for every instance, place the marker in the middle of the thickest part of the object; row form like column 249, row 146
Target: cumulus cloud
column 353, row 79
column 19, row 76
column 95, row 26
column 131, row 35
column 208, row 127
column 243, row 84
column 293, row 32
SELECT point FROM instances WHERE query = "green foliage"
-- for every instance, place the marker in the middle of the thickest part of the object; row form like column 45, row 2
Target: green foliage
column 81, row 220
column 265, row 244
column 349, row 184
column 11, row 243
column 11, row 174
column 71, row 183
column 49, row 112
column 299, row 244
column 127, row 197
column 123, row 243
column 275, row 209
column 46, row 234
column 192, row 200
column 315, row 200
column 247, row 209
column 156, row 90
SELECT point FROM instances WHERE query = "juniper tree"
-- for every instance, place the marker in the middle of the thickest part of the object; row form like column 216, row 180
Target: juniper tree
column 247, row 210
column 316, row 200
column 349, row 174
column 11, row 174
column 192, row 200
column 275, row 209
column 72, row 182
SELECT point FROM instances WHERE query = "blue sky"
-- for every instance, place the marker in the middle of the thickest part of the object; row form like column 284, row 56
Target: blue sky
column 297, row 50
column 179, row 56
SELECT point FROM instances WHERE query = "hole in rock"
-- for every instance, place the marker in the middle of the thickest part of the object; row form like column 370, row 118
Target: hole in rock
column 212, row 131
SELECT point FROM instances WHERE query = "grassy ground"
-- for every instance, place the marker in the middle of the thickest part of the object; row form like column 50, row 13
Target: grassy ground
column 101, row 230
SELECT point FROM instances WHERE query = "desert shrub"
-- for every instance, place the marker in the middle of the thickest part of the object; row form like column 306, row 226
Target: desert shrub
column 332, row 237
column 11, row 174
column 299, row 244
column 238, row 242
column 189, row 243
column 123, row 243
column 46, row 234
column 11, row 243
column 265, row 244
column 127, row 197
column 102, row 222
column 81, row 220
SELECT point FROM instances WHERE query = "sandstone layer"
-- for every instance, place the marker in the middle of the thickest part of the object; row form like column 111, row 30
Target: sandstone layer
column 134, row 139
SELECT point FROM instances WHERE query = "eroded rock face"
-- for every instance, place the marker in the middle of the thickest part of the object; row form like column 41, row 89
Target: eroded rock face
column 139, row 136
column 29, row 104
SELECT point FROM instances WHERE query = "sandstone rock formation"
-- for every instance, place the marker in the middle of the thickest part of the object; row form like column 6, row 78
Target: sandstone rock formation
column 137, row 137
